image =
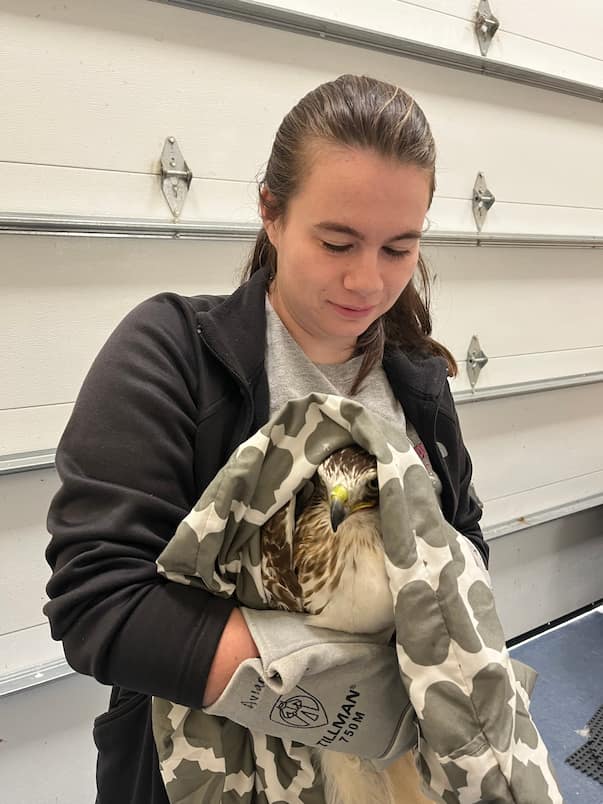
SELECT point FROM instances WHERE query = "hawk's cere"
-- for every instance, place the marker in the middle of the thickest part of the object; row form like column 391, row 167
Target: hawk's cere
column 325, row 557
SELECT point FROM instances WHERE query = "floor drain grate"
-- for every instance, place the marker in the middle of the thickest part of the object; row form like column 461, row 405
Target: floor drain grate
column 589, row 757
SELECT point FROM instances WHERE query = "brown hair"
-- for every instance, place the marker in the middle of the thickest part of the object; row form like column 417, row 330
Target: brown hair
column 358, row 112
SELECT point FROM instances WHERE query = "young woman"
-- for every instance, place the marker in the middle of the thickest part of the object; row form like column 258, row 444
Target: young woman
column 335, row 299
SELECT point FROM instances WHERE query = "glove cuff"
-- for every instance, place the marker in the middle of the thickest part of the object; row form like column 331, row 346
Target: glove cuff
column 290, row 649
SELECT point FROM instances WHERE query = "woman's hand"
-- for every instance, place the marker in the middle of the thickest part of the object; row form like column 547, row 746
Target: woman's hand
column 234, row 647
column 320, row 687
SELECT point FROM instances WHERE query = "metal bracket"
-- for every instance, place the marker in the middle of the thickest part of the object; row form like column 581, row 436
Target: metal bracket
column 486, row 25
column 482, row 201
column 476, row 360
column 176, row 176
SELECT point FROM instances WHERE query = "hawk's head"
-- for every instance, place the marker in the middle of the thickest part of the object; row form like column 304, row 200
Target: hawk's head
column 349, row 481
column 331, row 576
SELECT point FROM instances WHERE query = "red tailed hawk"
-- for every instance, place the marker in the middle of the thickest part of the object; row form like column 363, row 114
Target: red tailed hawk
column 323, row 555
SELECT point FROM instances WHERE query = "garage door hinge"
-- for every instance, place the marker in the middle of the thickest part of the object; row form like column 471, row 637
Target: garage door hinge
column 476, row 360
column 482, row 201
column 176, row 176
column 486, row 25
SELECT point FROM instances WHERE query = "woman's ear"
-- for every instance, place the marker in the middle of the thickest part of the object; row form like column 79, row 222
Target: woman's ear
column 269, row 217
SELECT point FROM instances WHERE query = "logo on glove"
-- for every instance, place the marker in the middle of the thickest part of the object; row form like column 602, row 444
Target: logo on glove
column 302, row 710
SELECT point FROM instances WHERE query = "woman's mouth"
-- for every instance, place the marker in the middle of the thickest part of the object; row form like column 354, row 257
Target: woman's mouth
column 352, row 312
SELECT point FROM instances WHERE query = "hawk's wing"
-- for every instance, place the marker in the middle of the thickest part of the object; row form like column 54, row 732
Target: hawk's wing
column 280, row 579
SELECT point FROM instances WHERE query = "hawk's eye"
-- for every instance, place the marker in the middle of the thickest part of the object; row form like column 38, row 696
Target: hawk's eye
column 373, row 485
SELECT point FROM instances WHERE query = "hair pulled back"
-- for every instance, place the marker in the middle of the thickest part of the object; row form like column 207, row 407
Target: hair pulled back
column 365, row 113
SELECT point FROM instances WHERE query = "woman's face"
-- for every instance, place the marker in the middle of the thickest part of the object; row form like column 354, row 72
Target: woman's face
column 347, row 247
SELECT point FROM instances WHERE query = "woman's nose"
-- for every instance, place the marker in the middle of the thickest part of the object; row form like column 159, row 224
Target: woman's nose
column 363, row 275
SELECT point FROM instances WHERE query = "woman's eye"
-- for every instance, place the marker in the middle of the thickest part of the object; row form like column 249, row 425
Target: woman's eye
column 395, row 254
column 342, row 248
column 336, row 247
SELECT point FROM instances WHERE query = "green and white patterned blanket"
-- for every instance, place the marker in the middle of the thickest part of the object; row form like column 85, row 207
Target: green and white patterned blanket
column 477, row 740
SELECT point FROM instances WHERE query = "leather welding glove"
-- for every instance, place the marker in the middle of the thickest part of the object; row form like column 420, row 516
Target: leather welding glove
column 320, row 687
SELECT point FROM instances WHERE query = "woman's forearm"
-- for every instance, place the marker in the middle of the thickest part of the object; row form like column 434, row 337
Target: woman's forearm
column 235, row 645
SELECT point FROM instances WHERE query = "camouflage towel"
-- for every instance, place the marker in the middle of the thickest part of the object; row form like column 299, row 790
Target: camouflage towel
column 477, row 740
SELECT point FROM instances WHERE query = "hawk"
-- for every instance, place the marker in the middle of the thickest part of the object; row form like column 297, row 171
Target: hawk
column 329, row 561
column 323, row 555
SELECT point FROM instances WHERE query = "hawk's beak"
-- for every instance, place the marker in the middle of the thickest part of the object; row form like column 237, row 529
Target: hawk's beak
column 339, row 509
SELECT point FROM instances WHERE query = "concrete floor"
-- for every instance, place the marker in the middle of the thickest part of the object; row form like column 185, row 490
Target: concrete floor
column 568, row 693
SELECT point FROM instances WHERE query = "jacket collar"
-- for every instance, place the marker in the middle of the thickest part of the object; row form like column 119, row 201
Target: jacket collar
column 414, row 373
column 235, row 328
column 235, row 331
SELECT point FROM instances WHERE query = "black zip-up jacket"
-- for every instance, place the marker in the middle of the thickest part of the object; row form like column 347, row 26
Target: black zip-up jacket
column 176, row 388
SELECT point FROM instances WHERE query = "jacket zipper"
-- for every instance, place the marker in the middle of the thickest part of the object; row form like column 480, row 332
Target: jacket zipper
column 243, row 388
column 444, row 472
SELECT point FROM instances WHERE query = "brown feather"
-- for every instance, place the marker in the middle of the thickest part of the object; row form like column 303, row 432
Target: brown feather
column 280, row 579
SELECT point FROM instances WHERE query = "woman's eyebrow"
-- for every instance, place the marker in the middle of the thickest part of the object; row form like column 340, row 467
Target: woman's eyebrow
column 341, row 228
